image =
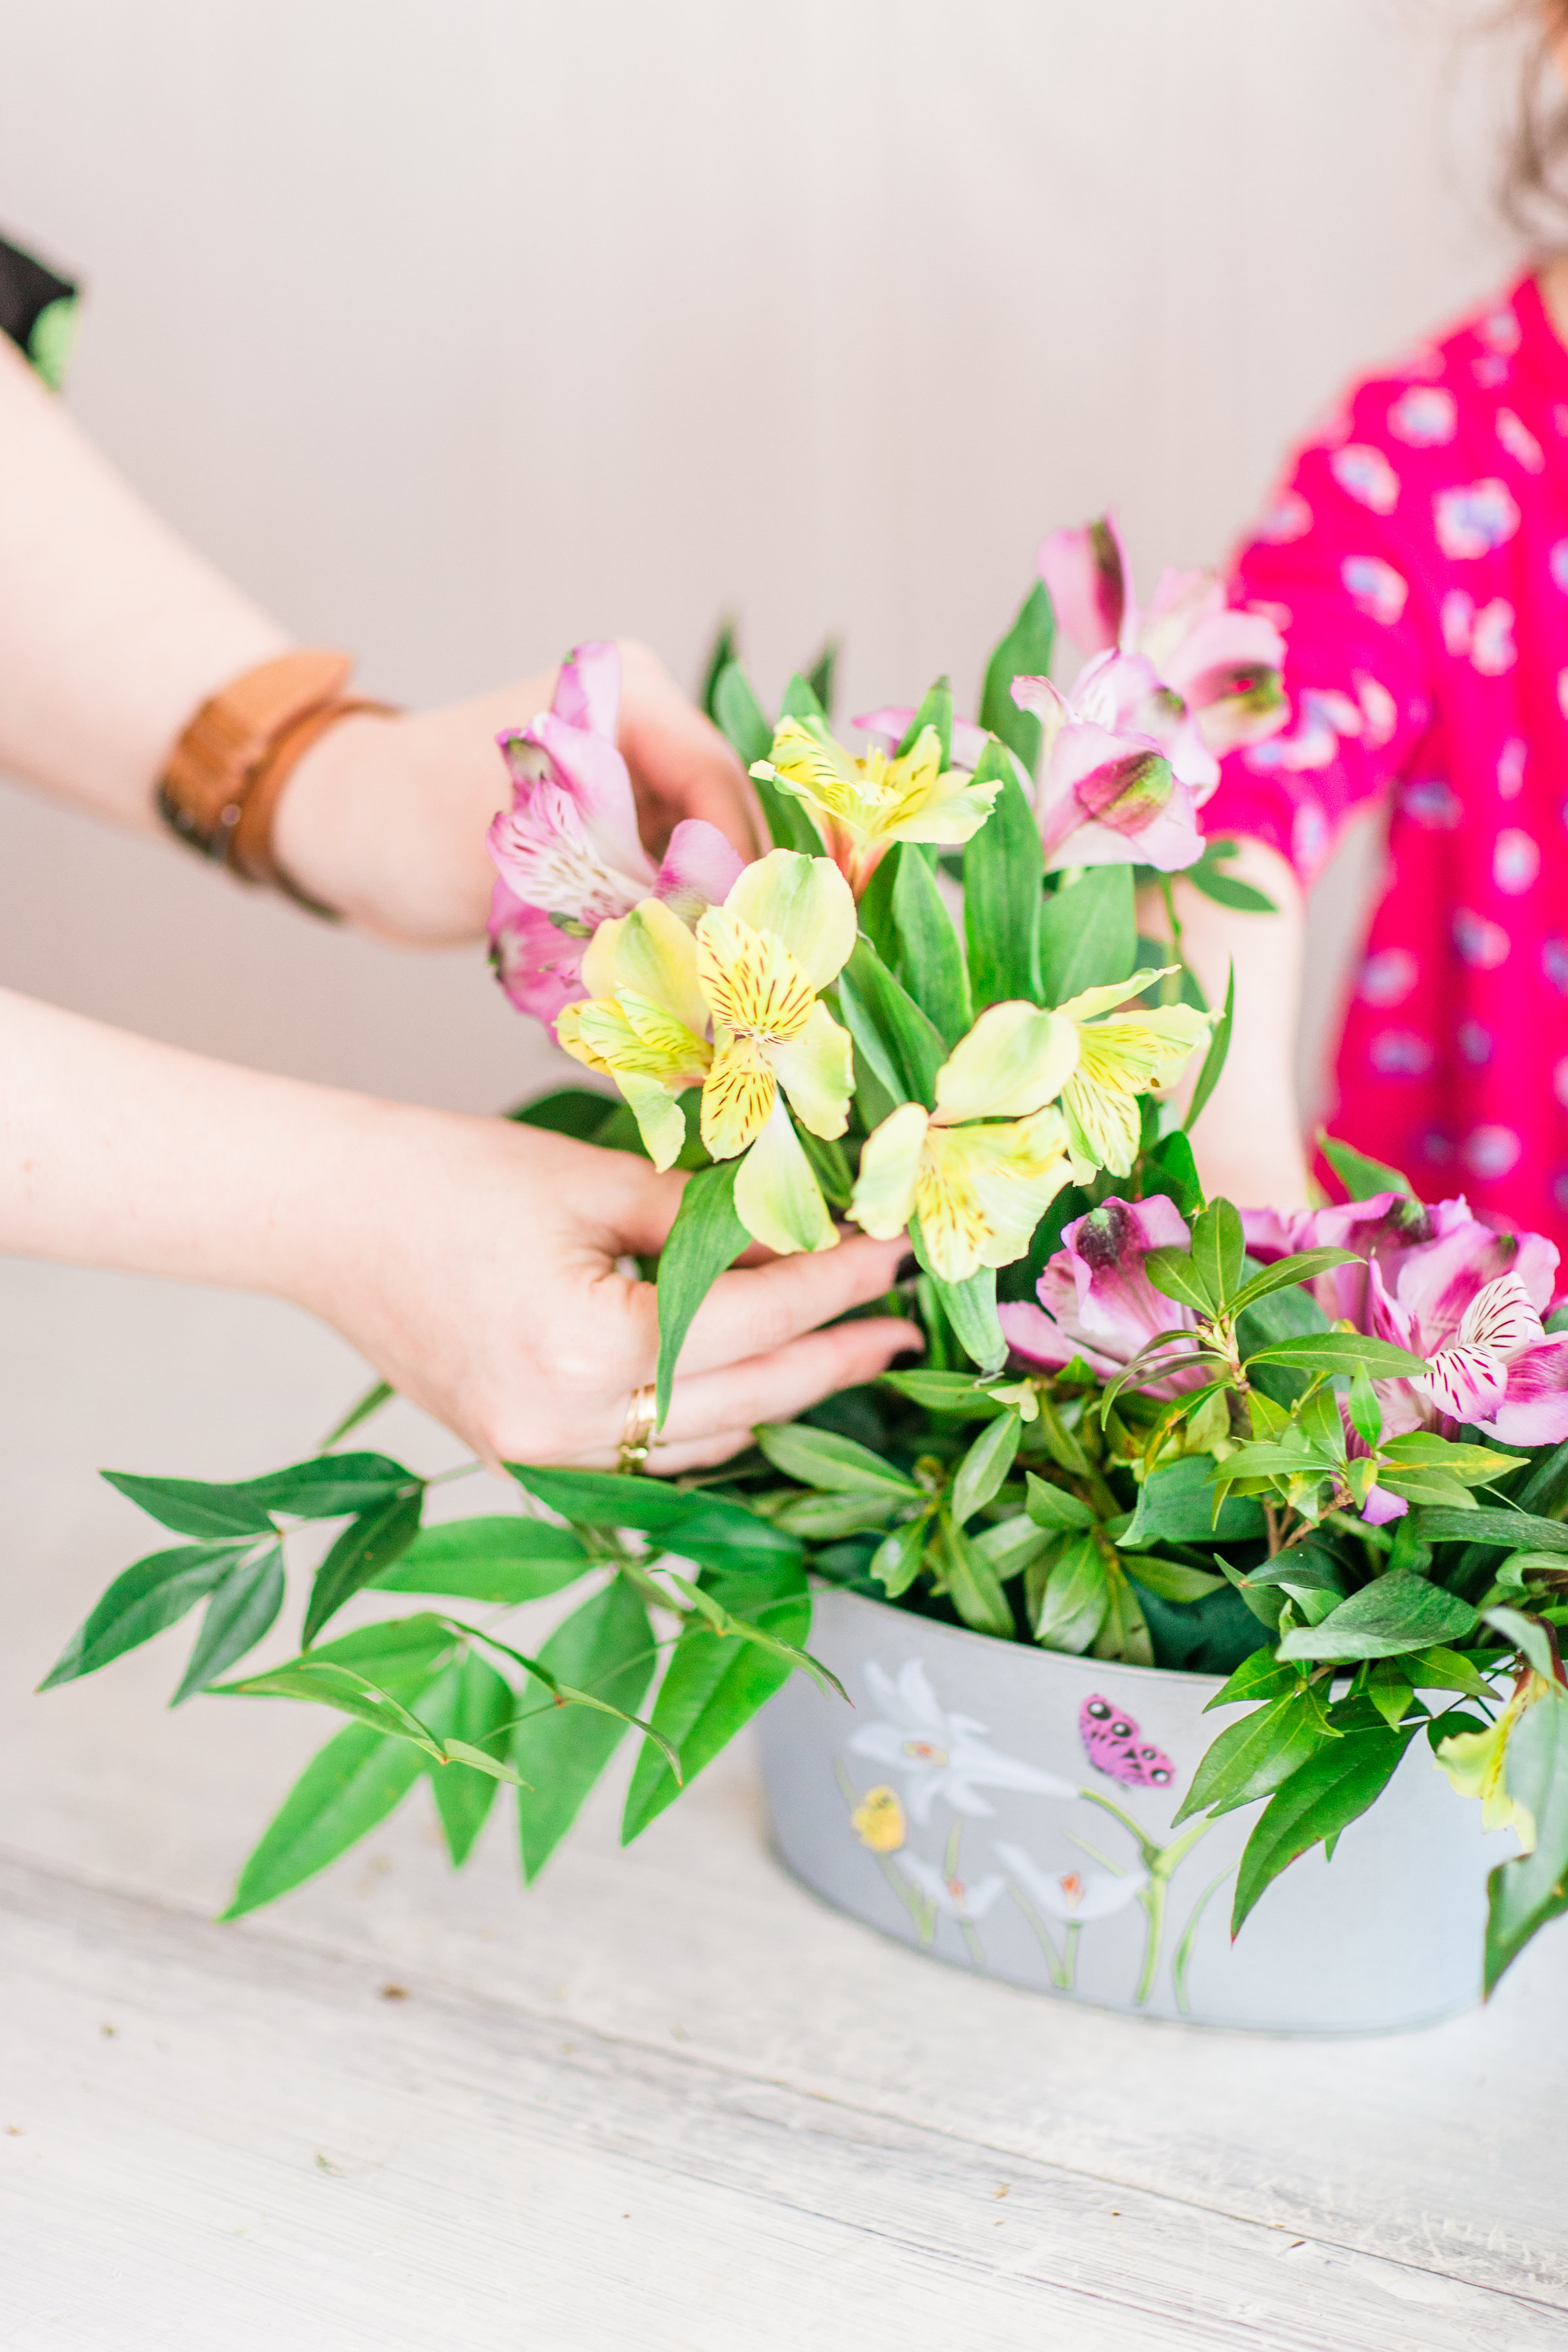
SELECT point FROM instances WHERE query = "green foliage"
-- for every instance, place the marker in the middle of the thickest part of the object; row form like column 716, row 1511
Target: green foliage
column 152, row 1593
column 1362, row 1178
column 506, row 1560
column 931, row 957
column 1214, row 1060
column 369, row 1544
column 1322, row 1796
column 606, row 1647
column 346, row 1789
column 705, row 1237
column 1209, row 878
column 1003, row 903
column 193, row 1509
column 471, row 1706
column 1089, row 936
column 935, row 710
column 901, row 1044
column 1524, row 1894
column 1025, row 652
column 242, row 1612
column 834, row 1464
column 578, row 1111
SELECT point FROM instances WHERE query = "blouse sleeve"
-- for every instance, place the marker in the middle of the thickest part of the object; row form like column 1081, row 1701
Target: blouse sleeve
column 1328, row 567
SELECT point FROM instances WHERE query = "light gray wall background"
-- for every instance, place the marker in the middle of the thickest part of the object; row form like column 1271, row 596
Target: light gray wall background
column 459, row 329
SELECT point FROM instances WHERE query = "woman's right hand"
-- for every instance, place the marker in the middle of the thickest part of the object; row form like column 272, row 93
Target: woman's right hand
column 474, row 1263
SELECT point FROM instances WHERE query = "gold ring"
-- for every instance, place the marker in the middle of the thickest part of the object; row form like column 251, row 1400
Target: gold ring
column 637, row 1436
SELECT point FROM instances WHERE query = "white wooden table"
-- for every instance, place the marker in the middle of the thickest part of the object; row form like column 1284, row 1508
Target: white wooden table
column 665, row 2101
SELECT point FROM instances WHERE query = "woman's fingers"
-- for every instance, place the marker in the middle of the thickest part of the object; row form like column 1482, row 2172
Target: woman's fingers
column 753, row 1310
column 778, row 1384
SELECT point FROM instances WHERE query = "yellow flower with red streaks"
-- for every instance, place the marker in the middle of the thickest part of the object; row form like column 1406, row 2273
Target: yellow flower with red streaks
column 862, row 806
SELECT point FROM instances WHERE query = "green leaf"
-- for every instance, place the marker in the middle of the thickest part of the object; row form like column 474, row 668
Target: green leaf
column 1511, row 1530
column 1445, row 1669
column 1341, row 1352
column 935, row 710
column 970, row 1307
column 1251, row 1758
column 1366, row 1412
column 697, row 1524
column 720, row 655
column 1069, row 1606
column 1024, row 652
column 974, row 1586
column 815, row 1518
column 729, row 1627
column 578, row 1111
column 984, row 1466
column 904, row 1049
column 400, row 1653
column 1088, row 935
column 835, row 1464
column 330, row 1484
column 1474, row 1465
column 1215, row 1059
column 800, row 700
column 502, row 1558
column 959, row 1394
column 324, row 1683
column 349, row 1785
column 243, row 1610
column 193, row 1508
column 1258, row 1676
column 1528, row 1636
column 1322, row 1797
column 715, row 1685
column 1125, row 1631
column 1524, row 1894
column 1011, row 1544
column 1003, row 902
column 367, row 1545
column 1362, row 1178
column 705, row 1239
column 379, row 1392
column 1547, row 1483
column 471, row 1710
column 739, row 716
column 930, row 962
column 1304, row 1268
column 153, row 1592
column 606, row 1647
column 1168, row 1580
column 1174, row 1274
column 1219, row 1251
column 1225, row 890
column 820, row 676
column 1053, row 1507
column 897, row 1561
column 1171, row 1168
column 1176, row 1505
column 1398, row 1611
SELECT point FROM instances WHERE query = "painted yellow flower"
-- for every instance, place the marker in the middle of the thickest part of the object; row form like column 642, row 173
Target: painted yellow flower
column 861, row 807
column 981, row 1170
column 1117, row 1061
column 1475, row 1764
column 752, row 974
column 879, row 1821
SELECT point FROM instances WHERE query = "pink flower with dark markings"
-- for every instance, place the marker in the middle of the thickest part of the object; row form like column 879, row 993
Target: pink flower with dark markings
column 567, row 852
column 1096, row 1301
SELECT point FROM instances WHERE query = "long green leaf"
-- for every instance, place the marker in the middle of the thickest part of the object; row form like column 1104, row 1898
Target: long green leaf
column 323, row 1683
column 367, row 1545
column 191, row 1508
column 503, row 1559
column 835, row 1464
column 930, row 961
column 1215, row 1059
column 1512, row 1530
column 1341, row 1352
column 904, row 1048
column 1305, row 1266
column 349, row 1785
column 973, row 1587
column 328, row 1485
column 935, row 710
column 1053, row 1507
column 1175, row 1274
column 606, row 1646
column 1176, row 1505
column 151, row 1593
column 1003, row 902
column 472, row 1709
column 958, row 1393
column 740, row 716
column 697, row 1524
column 241, row 1612
column 1069, row 1605
column 1524, row 1894
column 713, row 1687
column 1089, row 936
column 1362, row 1178
column 1322, row 1797
column 705, row 1237
column 580, row 1112
column 379, row 1392
column 1251, row 1758
column 725, row 1624
column 983, row 1468
column 1219, row 1251
column 1024, row 652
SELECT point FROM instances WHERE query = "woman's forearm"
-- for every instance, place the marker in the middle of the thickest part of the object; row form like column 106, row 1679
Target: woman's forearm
column 1248, row 1140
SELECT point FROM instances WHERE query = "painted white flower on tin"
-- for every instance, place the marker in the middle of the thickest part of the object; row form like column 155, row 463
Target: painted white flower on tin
column 951, row 1895
column 1073, row 1896
column 940, row 1755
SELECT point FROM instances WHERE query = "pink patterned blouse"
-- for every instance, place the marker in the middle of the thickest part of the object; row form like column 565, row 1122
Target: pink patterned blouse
column 1417, row 561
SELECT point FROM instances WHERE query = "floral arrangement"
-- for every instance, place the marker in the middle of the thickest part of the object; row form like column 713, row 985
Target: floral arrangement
column 1323, row 1457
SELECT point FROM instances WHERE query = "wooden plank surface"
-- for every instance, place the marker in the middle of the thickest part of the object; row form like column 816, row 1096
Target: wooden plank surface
column 666, row 2099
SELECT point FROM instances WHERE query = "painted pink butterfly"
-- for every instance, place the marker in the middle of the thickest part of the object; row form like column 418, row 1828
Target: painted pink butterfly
column 1114, row 1746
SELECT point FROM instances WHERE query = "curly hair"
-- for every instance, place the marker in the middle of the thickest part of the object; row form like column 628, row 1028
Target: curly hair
column 1534, row 186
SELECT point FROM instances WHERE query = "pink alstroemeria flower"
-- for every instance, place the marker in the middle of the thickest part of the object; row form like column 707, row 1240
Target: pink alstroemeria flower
column 567, row 851
column 1221, row 665
column 1110, row 791
column 1466, row 1296
column 1097, row 1302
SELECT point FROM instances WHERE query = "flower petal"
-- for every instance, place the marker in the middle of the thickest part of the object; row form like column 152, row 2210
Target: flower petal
column 1534, row 1411
column 817, row 1071
column 1087, row 575
column 652, row 952
column 805, row 903
column 889, row 725
column 539, row 964
column 738, row 1097
column 1015, row 1060
column 884, row 1198
column 1094, row 1000
column 776, row 1195
column 1466, row 1383
column 1380, row 1506
column 982, row 1190
column 1502, row 1318
column 753, row 984
column 661, row 1119
column 588, row 690
column 700, row 870
column 589, row 768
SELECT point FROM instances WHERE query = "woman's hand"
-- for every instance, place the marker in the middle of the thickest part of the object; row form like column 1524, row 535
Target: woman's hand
column 385, row 819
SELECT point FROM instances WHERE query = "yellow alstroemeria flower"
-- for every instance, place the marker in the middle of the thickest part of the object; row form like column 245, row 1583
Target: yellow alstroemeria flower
column 861, row 807
column 981, row 1170
column 753, row 971
column 1117, row 1061
column 1475, row 1764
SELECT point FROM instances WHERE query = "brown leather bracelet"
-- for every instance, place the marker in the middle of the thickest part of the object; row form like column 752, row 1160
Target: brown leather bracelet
column 226, row 773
